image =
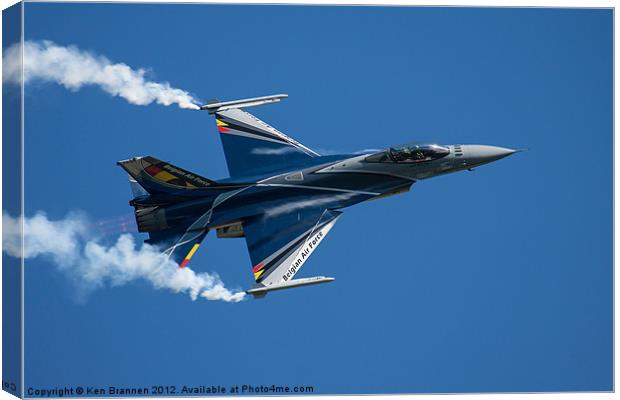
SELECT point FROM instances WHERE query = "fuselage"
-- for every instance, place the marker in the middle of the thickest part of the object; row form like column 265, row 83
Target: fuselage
column 331, row 182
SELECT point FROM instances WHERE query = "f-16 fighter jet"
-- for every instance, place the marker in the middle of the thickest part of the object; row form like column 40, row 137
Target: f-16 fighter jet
column 281, row 196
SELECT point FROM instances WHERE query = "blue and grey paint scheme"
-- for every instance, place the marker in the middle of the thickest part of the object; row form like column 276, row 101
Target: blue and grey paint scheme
column 281, row 196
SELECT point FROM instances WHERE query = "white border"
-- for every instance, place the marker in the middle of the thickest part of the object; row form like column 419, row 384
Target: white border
column 23, row 209
column 476, row 3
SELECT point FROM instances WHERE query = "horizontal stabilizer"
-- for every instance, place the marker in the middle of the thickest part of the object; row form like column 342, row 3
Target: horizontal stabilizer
column 216, row 105
column 136, row 189
column 261, row 290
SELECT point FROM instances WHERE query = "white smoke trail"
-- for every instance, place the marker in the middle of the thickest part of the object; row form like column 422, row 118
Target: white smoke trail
column 73, row 68
column 301, row 204
column 93, row 265
column 275, row 152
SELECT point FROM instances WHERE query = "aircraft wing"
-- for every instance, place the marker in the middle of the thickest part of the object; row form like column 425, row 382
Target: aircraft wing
column 250, row 145
column 280, row 244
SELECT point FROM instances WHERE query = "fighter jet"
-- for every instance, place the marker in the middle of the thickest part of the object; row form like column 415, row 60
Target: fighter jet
column 281, row 196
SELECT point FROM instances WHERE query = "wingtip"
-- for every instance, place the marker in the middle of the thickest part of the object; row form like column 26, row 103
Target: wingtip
column 213, row 105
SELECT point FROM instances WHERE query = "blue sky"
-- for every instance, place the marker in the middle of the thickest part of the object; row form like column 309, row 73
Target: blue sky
column 493, row 280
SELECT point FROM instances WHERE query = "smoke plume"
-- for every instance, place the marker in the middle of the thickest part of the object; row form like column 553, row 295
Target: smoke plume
column 93, row 265
column 73, row 68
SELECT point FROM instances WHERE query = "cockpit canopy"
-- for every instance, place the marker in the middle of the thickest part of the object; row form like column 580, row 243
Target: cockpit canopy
column 410, row 154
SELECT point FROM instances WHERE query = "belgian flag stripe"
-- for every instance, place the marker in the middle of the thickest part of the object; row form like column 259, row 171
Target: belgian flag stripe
column 189, row 255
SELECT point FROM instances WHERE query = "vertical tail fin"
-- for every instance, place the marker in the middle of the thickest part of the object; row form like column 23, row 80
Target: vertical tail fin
column 156, row 176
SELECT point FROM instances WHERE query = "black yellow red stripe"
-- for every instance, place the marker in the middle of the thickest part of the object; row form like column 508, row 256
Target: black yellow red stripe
column 189, row 255
column 258, row 271
column 221, row 126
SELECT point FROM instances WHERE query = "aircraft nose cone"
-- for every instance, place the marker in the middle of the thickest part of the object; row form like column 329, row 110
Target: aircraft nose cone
column 482, row 154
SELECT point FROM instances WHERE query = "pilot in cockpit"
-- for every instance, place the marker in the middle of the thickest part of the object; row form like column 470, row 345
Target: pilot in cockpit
column 409, row 154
